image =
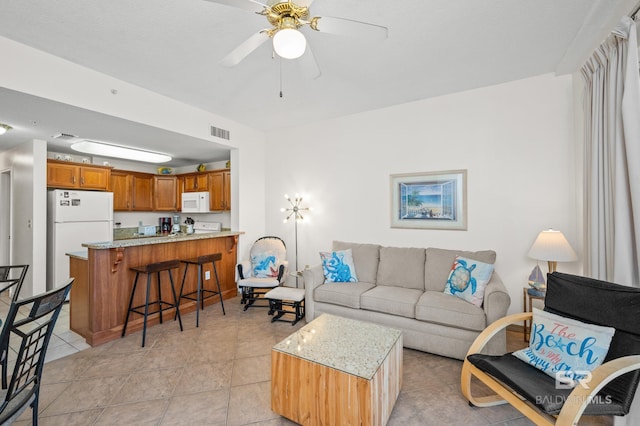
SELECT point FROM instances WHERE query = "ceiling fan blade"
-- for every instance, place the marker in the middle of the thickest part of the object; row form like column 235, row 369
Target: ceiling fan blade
column 309, row 64
column 305, row 3
column 241, row 52
column 348, row 27
column 250, row 5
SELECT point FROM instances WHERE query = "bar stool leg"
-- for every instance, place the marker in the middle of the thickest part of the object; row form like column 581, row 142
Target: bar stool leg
column 184, row 276
column 175, row 299
column 146, row 310
column 198, row 295
column 215, row 271
column 133, row 292
column 159, row 297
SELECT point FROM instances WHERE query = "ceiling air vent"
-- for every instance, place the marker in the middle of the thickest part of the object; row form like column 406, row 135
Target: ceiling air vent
column 64, row 137
column 220, row 133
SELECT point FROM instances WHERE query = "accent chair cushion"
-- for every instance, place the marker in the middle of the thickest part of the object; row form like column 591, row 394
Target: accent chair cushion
column 391, row 300
column 401, row 267
column 257, row 282
column 338, row 267
column 468, row 279
column 439, row 261
column 561, row 345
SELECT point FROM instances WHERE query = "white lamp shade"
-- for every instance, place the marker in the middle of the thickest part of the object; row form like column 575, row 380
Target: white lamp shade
column 552, row 246
column 289, row 43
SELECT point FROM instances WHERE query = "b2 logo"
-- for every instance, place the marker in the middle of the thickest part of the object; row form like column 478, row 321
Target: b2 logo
column 570, row 379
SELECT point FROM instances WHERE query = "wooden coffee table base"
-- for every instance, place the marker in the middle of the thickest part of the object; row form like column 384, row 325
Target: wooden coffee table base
column 310, row 394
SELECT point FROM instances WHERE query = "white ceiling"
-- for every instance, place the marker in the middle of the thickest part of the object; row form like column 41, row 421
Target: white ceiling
column 435, row 47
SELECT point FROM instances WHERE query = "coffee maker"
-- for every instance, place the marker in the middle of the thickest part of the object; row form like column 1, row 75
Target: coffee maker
column 176, row 224
column 165, row 225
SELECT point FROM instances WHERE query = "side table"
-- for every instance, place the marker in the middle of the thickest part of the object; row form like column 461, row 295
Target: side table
column 297, row 275
column 527, row 306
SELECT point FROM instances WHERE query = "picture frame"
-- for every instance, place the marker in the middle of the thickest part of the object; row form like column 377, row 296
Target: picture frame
column 429, row 200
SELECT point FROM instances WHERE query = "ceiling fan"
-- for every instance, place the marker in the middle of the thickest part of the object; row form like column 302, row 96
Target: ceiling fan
column 286, row 18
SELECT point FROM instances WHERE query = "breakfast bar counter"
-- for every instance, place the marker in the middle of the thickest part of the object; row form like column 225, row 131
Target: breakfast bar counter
column 103, row 280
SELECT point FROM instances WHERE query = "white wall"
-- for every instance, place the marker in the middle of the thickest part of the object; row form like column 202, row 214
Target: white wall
column 27, row 163
column 515, row 140
column 37, row 73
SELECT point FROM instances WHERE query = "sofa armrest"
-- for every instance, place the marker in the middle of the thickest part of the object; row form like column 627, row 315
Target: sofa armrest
column 313, row 277
column 496, row 299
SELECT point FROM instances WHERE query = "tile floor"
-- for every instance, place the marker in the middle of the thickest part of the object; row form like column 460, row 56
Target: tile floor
column 219, row 374
column 63, row 342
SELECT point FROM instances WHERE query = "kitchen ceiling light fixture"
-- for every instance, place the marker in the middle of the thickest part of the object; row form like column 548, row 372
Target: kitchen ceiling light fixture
column 4, row 128
column 108, row 150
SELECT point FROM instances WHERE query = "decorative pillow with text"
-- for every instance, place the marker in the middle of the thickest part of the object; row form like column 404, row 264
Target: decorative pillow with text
column 468, row 279
column 565, row 347
column 338, row 266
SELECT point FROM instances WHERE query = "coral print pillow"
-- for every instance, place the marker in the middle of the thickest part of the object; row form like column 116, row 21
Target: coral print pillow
column 338, row 266
column 264, row 266
column 468, row 279
column 565, row 347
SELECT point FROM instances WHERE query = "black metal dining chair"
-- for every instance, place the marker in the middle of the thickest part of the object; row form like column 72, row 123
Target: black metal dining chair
column 27, row 330
column 11, row 278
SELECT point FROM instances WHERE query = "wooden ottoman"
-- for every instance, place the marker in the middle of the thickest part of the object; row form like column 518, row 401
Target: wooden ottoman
column 337, row 371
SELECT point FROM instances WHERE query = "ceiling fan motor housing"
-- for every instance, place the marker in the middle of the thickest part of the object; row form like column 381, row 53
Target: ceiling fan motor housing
column 287, row 15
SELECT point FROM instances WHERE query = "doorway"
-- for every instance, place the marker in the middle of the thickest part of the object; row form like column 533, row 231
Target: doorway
column 5, row 217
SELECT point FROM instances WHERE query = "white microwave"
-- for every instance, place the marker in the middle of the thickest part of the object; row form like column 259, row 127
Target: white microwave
column 195, row 202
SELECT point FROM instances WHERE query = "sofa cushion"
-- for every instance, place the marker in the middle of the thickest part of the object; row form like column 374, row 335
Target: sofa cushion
column 402, row 267
column 343, row 294
column 439, row 261
column 391, row 300
column 440, row 308
column 365, row 259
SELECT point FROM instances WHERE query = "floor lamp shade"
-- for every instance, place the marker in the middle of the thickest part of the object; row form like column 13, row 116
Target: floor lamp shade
column 552, row 246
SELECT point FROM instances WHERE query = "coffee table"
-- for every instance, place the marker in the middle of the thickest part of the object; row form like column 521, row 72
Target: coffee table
column 335, row 371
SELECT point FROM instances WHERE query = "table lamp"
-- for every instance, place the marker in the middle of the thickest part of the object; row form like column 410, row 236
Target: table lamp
column 552, row 246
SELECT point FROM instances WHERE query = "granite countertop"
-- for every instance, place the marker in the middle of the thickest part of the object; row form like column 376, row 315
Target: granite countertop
column 80, row 254
column 170, row 238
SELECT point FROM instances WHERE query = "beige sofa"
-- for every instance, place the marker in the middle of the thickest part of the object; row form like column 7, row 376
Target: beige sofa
column 404, row 288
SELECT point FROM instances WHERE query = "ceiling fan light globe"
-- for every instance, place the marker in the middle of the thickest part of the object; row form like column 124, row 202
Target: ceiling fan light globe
column 289, row 43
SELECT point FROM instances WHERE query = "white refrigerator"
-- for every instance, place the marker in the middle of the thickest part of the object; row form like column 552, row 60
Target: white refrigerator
column 74, row 217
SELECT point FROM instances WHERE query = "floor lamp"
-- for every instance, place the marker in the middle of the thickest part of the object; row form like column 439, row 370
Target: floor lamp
column 295, row 211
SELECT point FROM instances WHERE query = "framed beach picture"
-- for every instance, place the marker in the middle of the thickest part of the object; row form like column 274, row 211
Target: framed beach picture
column 429, row 200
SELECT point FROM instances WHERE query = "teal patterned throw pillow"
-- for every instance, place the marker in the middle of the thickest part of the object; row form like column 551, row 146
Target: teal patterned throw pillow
column 264, row 266
column 338, row 266
column 468, row 279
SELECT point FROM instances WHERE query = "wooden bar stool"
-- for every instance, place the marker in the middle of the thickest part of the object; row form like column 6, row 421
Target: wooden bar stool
column 199, row 293
column 150, row 269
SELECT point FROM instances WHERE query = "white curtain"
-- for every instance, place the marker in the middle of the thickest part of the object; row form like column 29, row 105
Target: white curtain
column 612, row 166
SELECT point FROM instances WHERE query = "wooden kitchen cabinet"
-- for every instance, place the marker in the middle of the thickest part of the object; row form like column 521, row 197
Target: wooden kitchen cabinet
column 62, row 174
column 220, row 190
column 142, row 192
column 121, row 188
column 196, row 182
column 165, row 193
column 132, row 191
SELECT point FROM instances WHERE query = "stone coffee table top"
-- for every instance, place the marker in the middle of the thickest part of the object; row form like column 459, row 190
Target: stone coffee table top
column 351, row 346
